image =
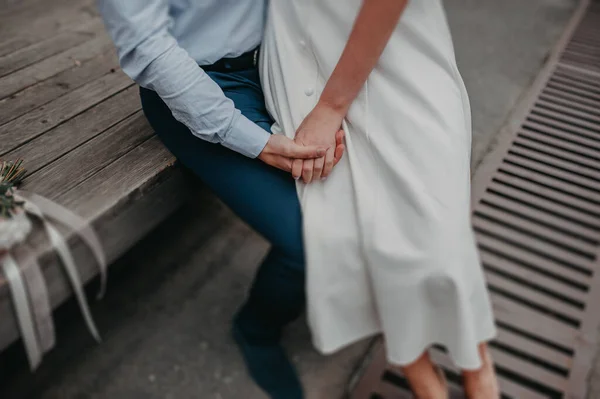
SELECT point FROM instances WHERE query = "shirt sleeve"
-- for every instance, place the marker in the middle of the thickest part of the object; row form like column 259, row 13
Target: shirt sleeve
column 151, row 56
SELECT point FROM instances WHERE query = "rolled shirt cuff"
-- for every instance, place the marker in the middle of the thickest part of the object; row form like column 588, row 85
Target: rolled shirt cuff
column 246, row 137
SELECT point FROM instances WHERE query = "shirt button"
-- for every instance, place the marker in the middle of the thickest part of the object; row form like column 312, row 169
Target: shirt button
column 309, row 91
column 302, row 43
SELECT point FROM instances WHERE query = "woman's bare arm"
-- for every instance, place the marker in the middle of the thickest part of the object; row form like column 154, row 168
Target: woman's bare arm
column 372, row 29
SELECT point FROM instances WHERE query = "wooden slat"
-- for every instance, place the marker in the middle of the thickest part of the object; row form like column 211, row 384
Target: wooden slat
column 13, row 44
column 9, row 6
column 507, row 386
column 581, row 181
column 580, row 172
column 107, row 188
column 572, row 205
column 64, row 138
column 547, row 328
column 518, row 190
column 533, row 348
column 535, row 208
column 536, row 278
column 583, row 90
column 565, row 131
column 538, row 374
column 43, row 20
column 568, row 108
column 87, row 159
column 56, row 86
column 559, row 185
column 562, row 141
column 581, row 57
column 35, row 123
column 573, row 98
column 567, row 119
column 53, row 65
column 586, row 79
column 564, row 99
column 585, row 47
column 583, row 79
column 550, row 249
column 556, row 149
column 537, row 298
column 537, row 229
column 523, row 256
column 46, row 48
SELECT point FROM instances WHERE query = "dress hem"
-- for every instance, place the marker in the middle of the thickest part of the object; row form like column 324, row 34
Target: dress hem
column 411, row 358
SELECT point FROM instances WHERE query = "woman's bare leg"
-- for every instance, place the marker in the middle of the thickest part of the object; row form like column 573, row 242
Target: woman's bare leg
column 424, row 380
column 482, row 383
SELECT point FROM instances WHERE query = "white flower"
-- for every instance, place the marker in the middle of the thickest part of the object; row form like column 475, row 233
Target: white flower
column 14, row 230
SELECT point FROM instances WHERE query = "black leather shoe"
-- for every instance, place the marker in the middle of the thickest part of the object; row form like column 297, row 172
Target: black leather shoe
column 269, row 366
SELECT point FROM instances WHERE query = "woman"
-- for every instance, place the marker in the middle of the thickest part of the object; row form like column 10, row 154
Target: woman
column 388, row 238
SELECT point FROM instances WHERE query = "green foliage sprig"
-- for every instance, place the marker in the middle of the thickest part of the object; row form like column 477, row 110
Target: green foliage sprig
column 11, row 175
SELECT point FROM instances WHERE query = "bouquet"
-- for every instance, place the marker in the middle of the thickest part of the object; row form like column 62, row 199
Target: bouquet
column 23, row 274
column 14, row 223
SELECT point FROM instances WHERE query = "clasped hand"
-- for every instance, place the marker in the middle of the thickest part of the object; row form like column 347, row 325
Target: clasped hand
column 317, row 147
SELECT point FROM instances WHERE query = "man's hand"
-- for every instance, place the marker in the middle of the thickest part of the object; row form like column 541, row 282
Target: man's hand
column 281, row 151
column 321, row 127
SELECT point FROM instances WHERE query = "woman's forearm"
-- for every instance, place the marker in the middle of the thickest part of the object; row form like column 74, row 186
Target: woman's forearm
column 372, row 29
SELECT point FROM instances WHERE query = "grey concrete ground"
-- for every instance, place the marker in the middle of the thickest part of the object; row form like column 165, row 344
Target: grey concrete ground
column 165, row 319
column 500, row 47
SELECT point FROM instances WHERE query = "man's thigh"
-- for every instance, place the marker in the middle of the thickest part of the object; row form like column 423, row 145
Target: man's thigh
column 264, row 197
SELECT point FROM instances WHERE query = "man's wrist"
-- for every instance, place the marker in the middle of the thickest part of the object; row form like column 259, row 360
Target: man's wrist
column 246, row 137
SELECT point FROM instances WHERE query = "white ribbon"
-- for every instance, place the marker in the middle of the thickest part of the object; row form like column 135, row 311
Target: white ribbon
column 22, row 309
column 38, row 294
column 34, row 317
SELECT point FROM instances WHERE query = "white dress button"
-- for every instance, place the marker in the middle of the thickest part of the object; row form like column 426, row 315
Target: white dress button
column 309, row 91
column 302, row 43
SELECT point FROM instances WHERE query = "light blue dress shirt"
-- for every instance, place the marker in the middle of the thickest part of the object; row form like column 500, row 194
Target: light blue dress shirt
column 160, row 44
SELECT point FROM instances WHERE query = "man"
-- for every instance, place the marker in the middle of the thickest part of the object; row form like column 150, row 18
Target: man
column 212, row 117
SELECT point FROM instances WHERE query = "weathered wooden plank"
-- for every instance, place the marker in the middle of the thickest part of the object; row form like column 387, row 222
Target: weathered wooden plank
column 53, row 65
column 46, row 48
column 105, row 189
column 14, row 44
column 80, row 127
column 133, row 195
column 41, row 93
column 45, row 20
column 56, row 142
column 13, row 6
column 42, row 119
column 86, row 160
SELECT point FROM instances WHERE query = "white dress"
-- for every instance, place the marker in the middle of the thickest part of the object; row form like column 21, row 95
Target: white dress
column 388, row 238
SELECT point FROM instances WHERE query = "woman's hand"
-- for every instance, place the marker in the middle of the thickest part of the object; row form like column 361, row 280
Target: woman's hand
column 320, row 128
column 280, row 152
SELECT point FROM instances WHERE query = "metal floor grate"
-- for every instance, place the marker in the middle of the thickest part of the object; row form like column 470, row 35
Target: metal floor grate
column 536, row 213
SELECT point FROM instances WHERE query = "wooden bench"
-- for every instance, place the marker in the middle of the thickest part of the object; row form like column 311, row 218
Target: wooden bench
column 76, row 120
